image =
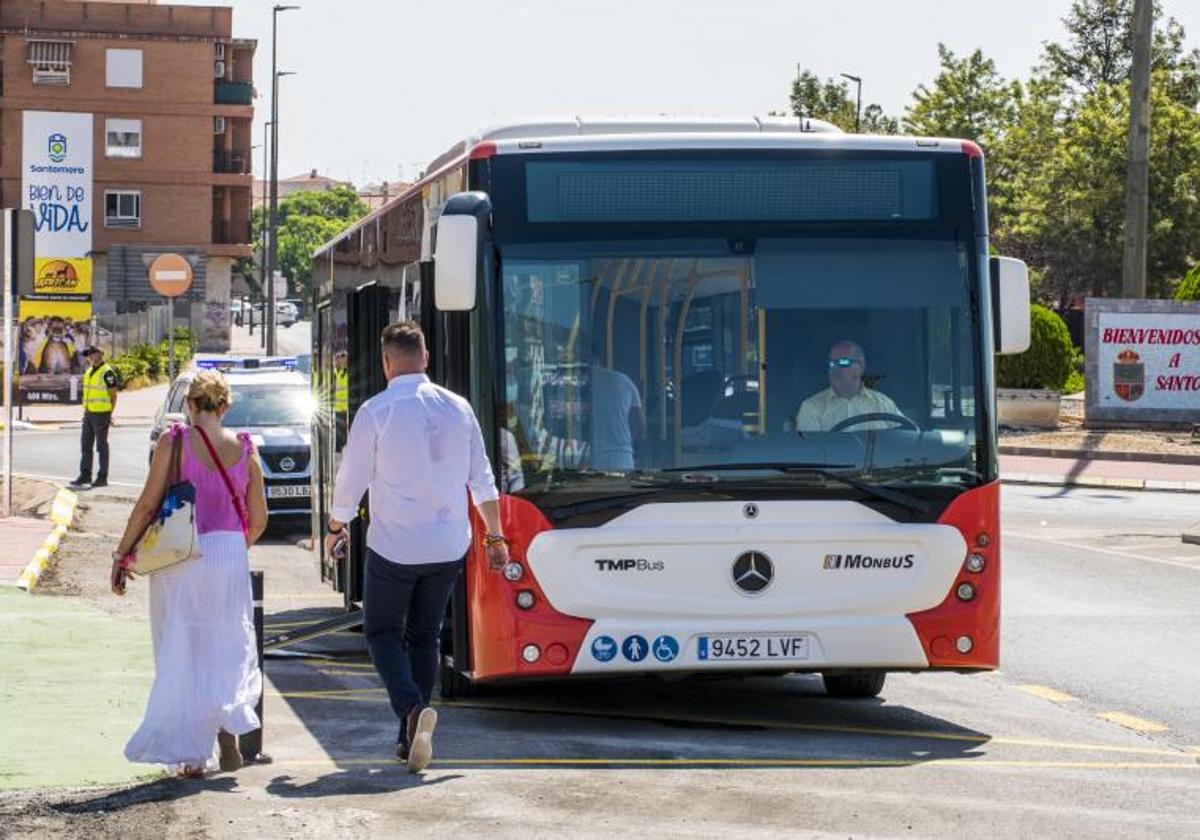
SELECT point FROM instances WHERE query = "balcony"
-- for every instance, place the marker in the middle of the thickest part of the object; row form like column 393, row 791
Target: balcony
column 225, row 232
column 231, row 163
column 232, row 93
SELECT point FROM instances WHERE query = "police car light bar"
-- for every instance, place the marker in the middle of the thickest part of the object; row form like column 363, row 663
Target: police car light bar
column 227, row 363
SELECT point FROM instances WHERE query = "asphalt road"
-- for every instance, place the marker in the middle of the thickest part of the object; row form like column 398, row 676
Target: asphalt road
column 55, row 454
column 1091, row 727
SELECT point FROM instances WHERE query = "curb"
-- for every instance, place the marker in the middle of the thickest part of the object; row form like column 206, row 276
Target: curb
column 1098, row 455
column 1152, row 484
column 62, row 512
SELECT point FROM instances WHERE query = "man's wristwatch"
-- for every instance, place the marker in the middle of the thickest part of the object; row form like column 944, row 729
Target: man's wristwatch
column 490, row 540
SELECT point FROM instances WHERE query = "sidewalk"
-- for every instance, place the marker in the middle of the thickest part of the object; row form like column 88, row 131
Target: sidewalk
column 1125, row 475
column 134, row 408
column 20, row 537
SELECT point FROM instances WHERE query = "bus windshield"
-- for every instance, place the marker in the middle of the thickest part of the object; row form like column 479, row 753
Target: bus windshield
column 655, row 358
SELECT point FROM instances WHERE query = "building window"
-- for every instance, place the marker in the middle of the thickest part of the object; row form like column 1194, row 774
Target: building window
column 51, row 61
column 122, row 208
column 123, row 68
column 123, row 138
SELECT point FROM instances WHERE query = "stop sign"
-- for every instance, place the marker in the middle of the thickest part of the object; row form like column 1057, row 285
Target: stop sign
column 170, row 275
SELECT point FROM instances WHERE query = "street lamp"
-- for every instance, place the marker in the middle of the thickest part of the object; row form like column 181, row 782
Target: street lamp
column 273, row 212
column 858, row 102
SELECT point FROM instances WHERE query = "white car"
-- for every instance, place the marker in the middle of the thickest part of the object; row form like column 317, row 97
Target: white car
column 286, row 313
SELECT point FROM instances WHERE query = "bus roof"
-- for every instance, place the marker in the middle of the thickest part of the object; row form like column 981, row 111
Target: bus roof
column 652, row 133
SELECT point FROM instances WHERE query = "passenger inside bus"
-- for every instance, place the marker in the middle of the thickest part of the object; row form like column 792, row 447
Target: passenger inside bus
column 847, row 396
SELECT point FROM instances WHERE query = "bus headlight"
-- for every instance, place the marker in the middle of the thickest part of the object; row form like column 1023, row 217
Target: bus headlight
column 513, row 572
column 975, row 563
column 964, row 644
column 526, row 599
column 531, row 653
column 965, row 592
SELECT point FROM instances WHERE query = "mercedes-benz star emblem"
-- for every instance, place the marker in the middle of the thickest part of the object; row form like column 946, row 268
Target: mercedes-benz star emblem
column 753, row 572
column 287, row 464
column 750, row 510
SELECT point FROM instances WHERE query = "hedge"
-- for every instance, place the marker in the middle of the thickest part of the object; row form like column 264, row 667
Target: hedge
column 1048, row 362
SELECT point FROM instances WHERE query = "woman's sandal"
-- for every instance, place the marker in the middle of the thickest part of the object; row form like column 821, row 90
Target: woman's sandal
column 190, row 771
column 231, row 756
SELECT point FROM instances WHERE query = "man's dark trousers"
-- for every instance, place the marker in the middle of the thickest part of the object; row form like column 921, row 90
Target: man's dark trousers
column 403, row 608
column 95, row 433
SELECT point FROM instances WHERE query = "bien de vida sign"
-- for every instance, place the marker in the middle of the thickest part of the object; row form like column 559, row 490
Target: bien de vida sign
column 56, row 181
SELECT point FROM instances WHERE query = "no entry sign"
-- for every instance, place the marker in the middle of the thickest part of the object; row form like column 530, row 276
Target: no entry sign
column 170, row 275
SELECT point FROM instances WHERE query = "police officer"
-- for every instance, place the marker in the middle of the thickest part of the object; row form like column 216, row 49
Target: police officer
column 341, row 397
column 99, row 400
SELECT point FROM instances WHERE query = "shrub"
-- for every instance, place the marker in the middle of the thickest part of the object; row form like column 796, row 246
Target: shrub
column 1189, row 286
column 149, row 354
column 129, row 368
column 1048, row 362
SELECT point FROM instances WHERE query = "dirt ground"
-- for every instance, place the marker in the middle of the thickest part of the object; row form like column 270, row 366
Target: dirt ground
column 1071, row 435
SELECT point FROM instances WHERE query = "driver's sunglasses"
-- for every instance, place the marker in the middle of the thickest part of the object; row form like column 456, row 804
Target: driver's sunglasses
column 842, row 362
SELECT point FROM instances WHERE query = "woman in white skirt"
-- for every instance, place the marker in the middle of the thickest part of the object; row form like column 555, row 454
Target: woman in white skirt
column 206, row 680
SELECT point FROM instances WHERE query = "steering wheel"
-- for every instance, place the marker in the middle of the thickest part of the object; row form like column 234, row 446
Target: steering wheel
column 900, row 420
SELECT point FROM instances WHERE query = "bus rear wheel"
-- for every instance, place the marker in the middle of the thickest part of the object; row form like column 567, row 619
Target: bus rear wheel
column 454, row 684
column 854, row 684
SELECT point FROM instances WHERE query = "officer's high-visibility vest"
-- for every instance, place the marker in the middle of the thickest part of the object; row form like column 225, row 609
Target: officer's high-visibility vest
column 95, row 391
column 341, row 391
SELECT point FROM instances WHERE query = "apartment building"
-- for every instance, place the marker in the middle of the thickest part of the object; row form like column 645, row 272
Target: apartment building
column 166, row 94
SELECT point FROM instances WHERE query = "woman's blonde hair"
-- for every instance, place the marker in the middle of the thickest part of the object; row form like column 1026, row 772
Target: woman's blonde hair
column 209, row 391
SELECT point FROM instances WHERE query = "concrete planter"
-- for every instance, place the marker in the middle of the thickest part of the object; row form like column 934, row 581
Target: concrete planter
column 1028, row 409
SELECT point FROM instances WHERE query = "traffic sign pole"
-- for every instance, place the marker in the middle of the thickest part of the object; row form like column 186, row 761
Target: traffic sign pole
column 171, row 276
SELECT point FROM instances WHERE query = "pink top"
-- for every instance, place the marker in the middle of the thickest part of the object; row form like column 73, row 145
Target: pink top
column 214, row 507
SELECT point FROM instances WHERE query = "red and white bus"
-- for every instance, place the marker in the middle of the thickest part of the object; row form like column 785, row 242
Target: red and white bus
column 736, row 381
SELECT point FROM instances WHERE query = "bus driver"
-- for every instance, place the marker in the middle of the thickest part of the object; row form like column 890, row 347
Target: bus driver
column 846, row 395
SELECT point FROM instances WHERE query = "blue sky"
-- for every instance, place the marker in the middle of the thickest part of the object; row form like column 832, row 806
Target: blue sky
column 385, row 85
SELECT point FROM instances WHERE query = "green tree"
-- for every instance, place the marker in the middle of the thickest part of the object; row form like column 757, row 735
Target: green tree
column 1099, row 50
column 1061, row 205
column 832, row 101
column 967, row 99
column 306, row 221
column 1189, row 286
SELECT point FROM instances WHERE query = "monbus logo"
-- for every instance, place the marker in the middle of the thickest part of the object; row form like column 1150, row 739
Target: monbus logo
column 867, row 561
column 629, row 564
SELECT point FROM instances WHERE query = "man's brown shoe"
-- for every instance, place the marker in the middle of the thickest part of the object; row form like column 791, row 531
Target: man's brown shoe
column 421, row 722
column 231, row 756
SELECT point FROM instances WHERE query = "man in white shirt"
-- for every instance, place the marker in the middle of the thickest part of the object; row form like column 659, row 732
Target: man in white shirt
column 846, row 395
column 418, row 448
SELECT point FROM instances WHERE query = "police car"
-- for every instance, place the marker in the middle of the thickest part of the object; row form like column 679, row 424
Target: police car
column 275, row 405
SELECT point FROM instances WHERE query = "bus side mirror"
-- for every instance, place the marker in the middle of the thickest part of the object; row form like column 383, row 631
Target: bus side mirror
column 457, row 248
column 1010, row 304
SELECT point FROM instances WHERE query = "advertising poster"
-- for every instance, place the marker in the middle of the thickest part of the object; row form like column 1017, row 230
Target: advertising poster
column 54, row 325
column 56, row 181
column 1143, row 361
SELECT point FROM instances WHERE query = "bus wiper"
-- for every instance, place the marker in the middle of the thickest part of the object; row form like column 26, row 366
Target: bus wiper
column 826, row 471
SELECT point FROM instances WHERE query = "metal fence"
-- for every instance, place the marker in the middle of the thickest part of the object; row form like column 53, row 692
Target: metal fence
column 117, row 333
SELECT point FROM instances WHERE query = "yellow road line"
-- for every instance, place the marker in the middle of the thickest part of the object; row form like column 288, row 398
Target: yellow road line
column 1066, row 544
column 1047, row 693
column 328, row 692
column 758, row 763
column 1137, row 724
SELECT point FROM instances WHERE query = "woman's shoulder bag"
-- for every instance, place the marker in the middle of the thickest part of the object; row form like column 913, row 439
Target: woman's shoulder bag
column 171, row 538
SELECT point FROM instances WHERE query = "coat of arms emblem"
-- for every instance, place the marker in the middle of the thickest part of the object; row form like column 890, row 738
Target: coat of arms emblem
column 1129, row 375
